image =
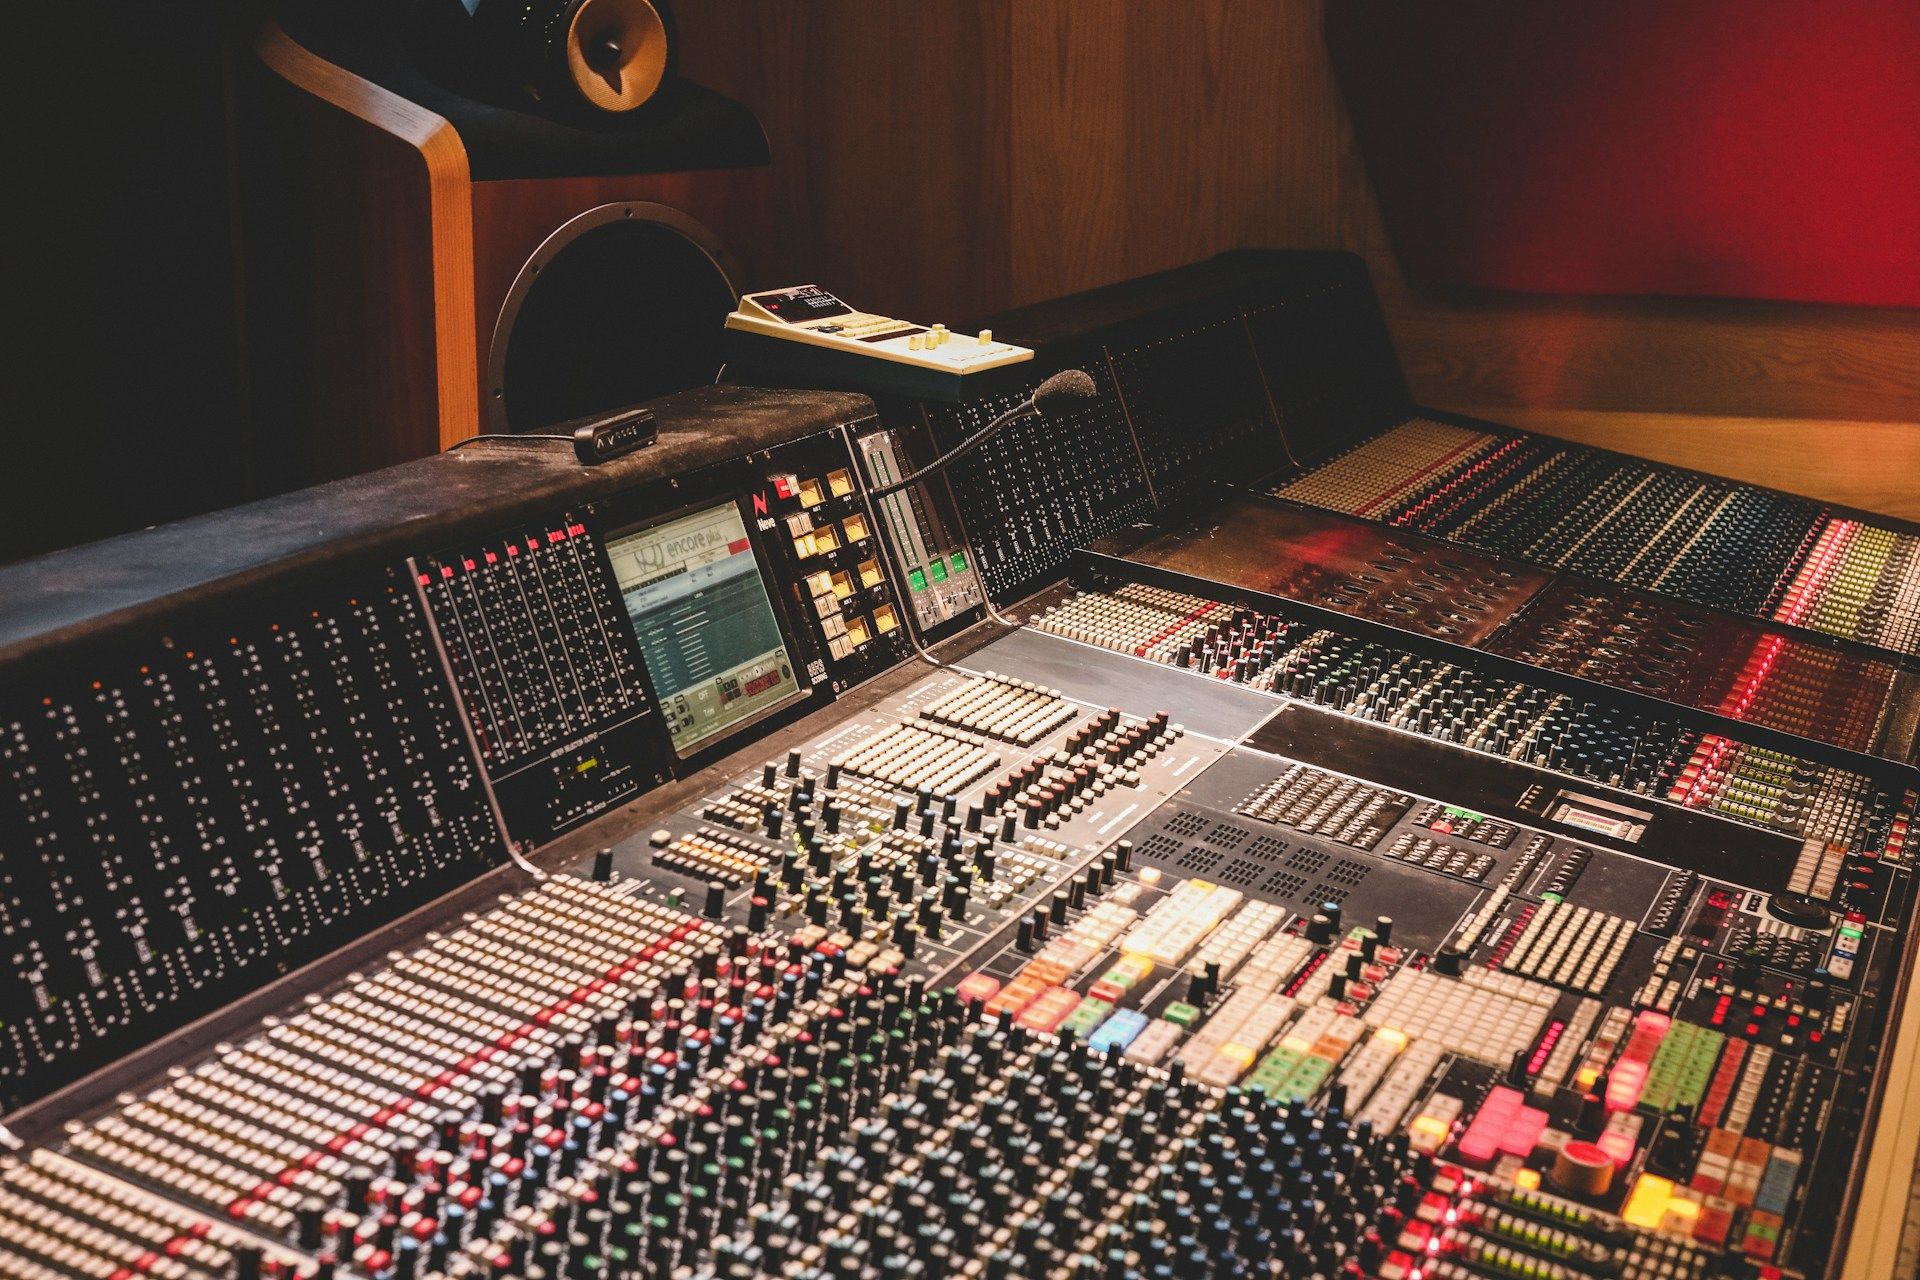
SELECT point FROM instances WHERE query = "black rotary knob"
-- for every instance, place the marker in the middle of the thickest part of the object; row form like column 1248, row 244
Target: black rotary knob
column 1798, row 910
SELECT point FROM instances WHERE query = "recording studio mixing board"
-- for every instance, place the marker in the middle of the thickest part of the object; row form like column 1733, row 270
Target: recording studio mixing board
column 1250, row 827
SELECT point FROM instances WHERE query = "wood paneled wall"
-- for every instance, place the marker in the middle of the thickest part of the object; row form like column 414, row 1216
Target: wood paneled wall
column 947, row 161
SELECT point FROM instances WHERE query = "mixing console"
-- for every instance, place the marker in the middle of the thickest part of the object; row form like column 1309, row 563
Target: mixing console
column 829, row 553
column 942, row 584
column 1733, row 546
column 183, row 817
column 1687, row 656
column 1197, row 402
column 60, row 1219
column 685, row 868
column 1037, row 490
column 812, row 1026
column 1839, row 813
column 532, row 628
column 1196, row 373
column 1859, row 581
column 1458, row 605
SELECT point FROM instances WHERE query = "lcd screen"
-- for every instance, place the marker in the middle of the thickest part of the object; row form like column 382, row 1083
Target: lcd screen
column 706, row 626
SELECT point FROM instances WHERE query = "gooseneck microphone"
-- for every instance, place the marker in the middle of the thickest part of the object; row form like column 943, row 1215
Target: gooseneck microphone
column 1049, row 399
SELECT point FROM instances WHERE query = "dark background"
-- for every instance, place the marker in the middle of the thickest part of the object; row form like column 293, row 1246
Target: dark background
column 125, row 404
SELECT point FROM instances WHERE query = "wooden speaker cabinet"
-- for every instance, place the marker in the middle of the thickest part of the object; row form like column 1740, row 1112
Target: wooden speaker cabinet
column 421, row 265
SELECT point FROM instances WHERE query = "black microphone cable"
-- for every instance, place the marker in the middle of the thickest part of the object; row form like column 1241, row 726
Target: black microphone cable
column 1047, row 399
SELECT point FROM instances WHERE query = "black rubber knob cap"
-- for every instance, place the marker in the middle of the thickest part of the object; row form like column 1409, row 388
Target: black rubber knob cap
column 1799, row 910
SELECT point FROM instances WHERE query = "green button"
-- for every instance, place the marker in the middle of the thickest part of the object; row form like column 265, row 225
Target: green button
column 937, row 569
column 917, row 579
column 959, row 561
column 1181, row 1014
column 1089, row 1014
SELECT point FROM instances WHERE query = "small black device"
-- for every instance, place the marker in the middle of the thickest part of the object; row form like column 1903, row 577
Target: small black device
column 614, row 435
column 596, row 439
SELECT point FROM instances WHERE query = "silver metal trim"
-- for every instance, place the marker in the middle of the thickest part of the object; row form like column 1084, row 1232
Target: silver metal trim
column 494, row 401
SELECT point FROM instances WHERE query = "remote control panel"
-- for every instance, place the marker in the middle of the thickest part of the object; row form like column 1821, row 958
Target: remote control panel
column 804, row 331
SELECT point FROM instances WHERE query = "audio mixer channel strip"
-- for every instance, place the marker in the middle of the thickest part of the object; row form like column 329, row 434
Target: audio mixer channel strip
column 1697, row 537
column 677, row 869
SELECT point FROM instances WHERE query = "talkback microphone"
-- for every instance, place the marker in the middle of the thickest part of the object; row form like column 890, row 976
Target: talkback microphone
column 1050, row 399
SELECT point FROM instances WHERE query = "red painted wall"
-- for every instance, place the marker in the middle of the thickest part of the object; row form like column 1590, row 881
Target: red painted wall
column 1743, row 148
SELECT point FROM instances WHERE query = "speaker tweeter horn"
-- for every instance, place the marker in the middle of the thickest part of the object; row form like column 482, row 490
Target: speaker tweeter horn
column 616, row 53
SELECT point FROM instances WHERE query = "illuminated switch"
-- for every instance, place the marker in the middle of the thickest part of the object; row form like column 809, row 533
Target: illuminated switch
column 1088, row 1014
column 1153, row 1042
column 1628, row 1079
column 1431, row 1128
column 1496, row 1126
column 1714, row 1222
column 1646, row 1205
column 1181, row 1014
column 1049, row 1009
column 1015, row 996
column 1620, row 1137
column 977, row 986
column 1119, row 1030
column 1129, row 971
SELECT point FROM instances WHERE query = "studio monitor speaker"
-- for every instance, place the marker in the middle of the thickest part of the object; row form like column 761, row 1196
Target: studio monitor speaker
column 570, row 56
column 492, row 217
